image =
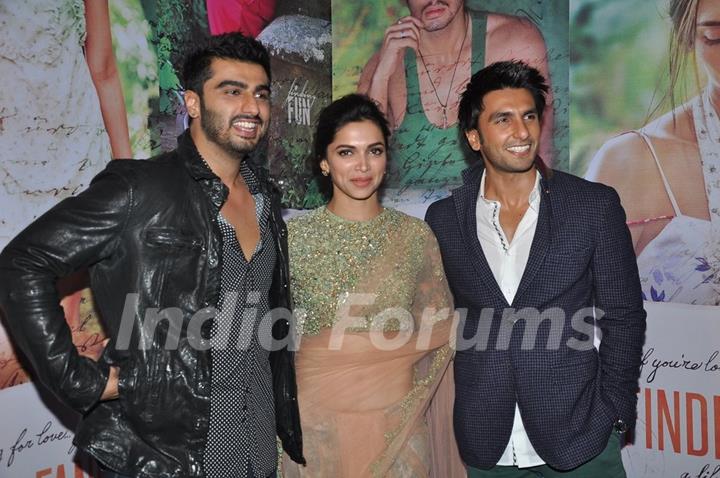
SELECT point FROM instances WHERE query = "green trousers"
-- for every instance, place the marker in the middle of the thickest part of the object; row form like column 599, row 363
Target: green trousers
column 608, row 464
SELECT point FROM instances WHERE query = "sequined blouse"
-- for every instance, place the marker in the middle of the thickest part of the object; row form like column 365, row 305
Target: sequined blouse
column 381, row 274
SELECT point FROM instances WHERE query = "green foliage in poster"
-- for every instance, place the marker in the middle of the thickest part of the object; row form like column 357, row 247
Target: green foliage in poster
column 358, row 30
column 619, row 71
column 176, row 25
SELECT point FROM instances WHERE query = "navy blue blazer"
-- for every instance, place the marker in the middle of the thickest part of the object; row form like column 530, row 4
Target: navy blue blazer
column 538, row 351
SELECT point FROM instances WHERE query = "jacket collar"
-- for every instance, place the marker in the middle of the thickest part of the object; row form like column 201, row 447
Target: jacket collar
column 472, row 176
column 465, row 199
column 199, row 169
column 196, row 166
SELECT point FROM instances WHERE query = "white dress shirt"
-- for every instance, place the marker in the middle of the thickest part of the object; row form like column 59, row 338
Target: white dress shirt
column 507, row 261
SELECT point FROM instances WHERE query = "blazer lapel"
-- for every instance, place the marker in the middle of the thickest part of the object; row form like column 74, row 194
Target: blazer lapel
column 465, row 200
column 540, row 243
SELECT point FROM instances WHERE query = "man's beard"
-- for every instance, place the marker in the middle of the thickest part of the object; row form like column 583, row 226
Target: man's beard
column 436, row 25
column 213, row 126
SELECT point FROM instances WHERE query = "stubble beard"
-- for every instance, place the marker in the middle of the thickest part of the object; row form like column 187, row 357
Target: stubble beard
column 215, row 129
column 436, row 26
column 440, row 24
column 505, row 164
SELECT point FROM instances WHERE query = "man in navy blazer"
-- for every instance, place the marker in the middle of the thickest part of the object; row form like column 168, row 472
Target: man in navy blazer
column 533, row 257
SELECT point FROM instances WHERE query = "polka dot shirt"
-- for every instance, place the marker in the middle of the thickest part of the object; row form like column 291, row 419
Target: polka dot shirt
column 241, row 436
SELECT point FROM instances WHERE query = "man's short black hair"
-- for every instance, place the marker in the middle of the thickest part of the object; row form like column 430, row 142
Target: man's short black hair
column 498, row 76
column 228, row 46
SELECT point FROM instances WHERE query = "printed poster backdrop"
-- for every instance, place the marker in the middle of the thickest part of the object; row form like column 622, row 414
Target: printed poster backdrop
column 678, row 427
column 64, row 113
column 423, row 169
column 626, row 131
column 55, row 130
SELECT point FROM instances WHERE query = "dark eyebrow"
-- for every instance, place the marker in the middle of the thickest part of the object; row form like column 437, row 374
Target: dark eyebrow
column 506, row 114
column 379, row 143
column 241, row 85
column 710, row 23
column 499, row 115
column 225, row 83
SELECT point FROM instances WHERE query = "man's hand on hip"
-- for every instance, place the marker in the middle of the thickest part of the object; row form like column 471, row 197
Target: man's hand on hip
column 111, row 387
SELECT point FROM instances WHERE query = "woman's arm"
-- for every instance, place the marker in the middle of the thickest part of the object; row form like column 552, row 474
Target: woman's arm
column 433, row 303
column 104, row 73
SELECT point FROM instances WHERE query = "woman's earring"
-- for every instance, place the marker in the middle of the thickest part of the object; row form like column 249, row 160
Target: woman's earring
column 325, row 172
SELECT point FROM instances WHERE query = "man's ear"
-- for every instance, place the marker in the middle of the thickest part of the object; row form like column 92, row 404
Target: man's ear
column 192, row 103
column 473, row 137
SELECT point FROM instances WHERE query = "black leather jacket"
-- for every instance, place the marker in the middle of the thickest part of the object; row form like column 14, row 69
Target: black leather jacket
column 146, row 228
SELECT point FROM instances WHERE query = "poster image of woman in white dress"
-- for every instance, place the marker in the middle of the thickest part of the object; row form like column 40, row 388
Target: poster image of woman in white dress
column 62, row 118
column 668, row 171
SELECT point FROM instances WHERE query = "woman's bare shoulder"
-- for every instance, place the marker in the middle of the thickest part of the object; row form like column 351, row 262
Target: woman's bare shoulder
column 513, row 37
column 622, row 158
column 674, row 126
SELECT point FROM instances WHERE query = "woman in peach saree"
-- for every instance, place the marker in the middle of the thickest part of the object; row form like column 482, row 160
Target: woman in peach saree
column 375, row 314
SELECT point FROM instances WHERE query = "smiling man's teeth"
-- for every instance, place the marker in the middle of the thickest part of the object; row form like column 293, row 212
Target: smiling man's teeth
column 245, row 124
column 519, row 149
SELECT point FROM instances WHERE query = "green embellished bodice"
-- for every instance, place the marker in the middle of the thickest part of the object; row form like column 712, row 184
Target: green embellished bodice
column 376, row 273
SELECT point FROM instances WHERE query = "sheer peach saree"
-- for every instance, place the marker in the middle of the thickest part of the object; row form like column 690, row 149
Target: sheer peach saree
column 378, row 402
column 368, row 413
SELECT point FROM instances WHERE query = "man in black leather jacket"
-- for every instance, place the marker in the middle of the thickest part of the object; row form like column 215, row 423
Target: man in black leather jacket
column 151, row 234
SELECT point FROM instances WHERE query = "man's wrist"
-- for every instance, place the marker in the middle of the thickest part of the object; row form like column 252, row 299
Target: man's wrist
column 620, row 426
